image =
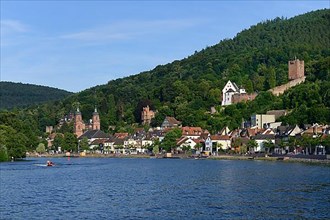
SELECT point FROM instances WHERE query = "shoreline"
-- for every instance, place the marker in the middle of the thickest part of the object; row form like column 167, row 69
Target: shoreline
column 185, row 156
column 272, row 159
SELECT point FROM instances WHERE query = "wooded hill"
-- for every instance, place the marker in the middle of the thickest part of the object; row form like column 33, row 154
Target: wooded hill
column 256, row 58
column 22, row 95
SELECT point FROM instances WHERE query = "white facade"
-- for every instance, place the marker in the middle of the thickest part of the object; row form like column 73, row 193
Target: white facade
column 228, row 91
column 187, row 142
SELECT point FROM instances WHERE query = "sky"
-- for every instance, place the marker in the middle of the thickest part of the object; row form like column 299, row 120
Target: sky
column 75, row 45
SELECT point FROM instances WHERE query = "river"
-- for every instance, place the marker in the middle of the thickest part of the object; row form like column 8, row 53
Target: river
column 113, row 188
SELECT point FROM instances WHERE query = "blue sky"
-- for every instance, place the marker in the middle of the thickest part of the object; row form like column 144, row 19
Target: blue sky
column 75, row 45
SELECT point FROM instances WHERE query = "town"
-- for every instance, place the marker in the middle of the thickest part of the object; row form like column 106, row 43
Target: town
column 263, row 134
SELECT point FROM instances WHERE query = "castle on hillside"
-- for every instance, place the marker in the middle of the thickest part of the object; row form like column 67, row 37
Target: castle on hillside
column 231, row 94
column 79, row 125
column 296, row 76
column 296, row 69
column 146, row 115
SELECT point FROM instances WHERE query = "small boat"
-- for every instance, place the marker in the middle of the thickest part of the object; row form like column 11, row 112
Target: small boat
column 50, row 164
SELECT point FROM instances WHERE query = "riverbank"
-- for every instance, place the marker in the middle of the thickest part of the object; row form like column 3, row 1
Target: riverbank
column 277, row 159
column 284, row 158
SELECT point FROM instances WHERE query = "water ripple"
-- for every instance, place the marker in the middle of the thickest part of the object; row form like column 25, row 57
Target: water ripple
column 104, row 188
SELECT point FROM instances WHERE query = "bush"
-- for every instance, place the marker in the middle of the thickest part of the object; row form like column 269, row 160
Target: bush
column 3, row 154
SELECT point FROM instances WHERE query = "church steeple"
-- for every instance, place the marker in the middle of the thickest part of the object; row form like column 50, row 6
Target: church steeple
column 79, row 125
column 96, row 120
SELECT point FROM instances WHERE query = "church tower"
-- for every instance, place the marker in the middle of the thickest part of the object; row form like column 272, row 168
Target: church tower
column 96, row 120
column 79, row 125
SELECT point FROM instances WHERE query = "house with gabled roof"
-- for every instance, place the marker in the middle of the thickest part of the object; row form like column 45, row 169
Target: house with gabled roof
column 293, row 131
column 222, row 142
column 170, row 122
column 186, row 142
column 92, row 135
column 192, row 132
column 224, row 131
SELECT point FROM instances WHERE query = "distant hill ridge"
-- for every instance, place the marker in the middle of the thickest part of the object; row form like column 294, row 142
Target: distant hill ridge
column 22, row 95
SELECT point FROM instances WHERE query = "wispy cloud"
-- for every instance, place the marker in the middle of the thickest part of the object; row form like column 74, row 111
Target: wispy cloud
column 12, row 32
column 10, row 26
column 131, row 29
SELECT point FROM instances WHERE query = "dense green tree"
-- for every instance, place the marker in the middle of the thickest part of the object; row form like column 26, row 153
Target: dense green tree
column 111, row 116
column 70, row 142
column 170, row 139
column 252, row 145
column 13, row 141
column 83, row 144
column 58, row 141
column 270, row 78
column 3, row 154
column 41, row 148
column 269, row 146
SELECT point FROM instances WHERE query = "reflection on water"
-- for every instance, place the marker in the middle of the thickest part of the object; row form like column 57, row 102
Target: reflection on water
column 108, row 188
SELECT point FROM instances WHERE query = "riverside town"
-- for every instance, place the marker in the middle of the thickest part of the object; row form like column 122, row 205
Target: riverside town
column 138, row 114
column 261, row 136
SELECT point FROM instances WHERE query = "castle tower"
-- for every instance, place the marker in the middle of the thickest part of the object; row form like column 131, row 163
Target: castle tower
column 96, row 120
column 296, row 69
column 79, row 125
column 147, row 115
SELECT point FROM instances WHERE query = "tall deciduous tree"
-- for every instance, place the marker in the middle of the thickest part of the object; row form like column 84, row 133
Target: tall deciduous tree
column 169, row 141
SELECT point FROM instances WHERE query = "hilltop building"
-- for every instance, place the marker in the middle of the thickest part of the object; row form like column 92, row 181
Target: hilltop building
column 79, row 125
column 296, row 74
column 231, row 94
column 296, row 69
column 228, row 91
column 146, row 115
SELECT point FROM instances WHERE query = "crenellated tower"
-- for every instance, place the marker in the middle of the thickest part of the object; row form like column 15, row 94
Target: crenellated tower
column 296, row 69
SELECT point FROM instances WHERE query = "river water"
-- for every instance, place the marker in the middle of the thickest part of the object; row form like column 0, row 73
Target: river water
column 112, row 188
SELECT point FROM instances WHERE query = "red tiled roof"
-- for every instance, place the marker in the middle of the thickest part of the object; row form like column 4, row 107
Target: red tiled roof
column 121, row 135
column 220, row 137
column 192, row 130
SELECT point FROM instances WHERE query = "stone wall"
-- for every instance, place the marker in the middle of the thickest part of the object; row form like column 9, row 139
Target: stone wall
column 243, row 97
column 281, row 89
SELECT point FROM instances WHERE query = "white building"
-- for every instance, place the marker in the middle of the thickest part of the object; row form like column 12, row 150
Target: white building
column 228, row 91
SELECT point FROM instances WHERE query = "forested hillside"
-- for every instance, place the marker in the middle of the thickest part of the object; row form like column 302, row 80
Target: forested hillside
column 257, row 58
column 23, row 95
